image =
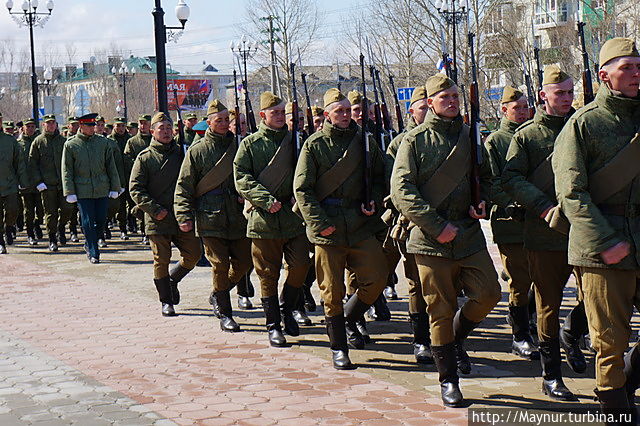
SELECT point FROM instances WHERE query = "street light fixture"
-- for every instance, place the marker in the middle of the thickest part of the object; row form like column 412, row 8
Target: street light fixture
column 126, row 75
column 31, row 17
column 452, row 16
column 160, row 34
column 244, row 50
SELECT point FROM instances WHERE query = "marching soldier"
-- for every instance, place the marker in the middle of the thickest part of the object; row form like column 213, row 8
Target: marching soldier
column 206, row 198
column 263, row 171
column 342, row 227
column 527, row 178
column 595, row 163
column 447, row 241
column 132, row 128
column 72, row 129
column 134, row 146
column 507, row 231
column 152, row 186
column 45, row 162
column 120, row 136
column 72, row 126
column 89, row 176
column 30, row 195
column 13, row 175
column 190, row 119
column 355, row 98
column 318, row 119
column 9, row 128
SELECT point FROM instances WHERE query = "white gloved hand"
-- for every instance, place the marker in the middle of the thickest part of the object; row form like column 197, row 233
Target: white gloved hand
column 20, row 187
column 41, row 187
column 121, row 191
column 113, row 194
column 72, row 198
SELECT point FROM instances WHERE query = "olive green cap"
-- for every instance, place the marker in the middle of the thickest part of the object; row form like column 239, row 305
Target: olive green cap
column 100, row 118
column 354, row 97
column 28, row 121
column 316, row 110
column 419, row 93
column 72, row 119
column 49, row 117
column 333, row 95
column 215, row 107
column 8, row 124
column 510, row 94
column 144, row 117
column 437, row 83
column 190, row 115
column 269, row 100
column 160, row 117
column 616, row 48
column 554, row 75
column 119, row 120
column 288, row 108
column 132, row 124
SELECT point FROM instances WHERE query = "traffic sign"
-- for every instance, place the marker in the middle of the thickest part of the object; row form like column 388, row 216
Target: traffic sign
column 404, row 95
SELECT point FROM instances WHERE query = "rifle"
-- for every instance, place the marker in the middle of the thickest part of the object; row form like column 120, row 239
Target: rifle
column 380, row 133
column 297, row 146
column 309, row 113
column 338, row 76
column 536, row 55
column 181, row 139
column 386, row 119
column 238, row 126
column 251, row 118
column 445, row 54
column 365, row 136
column 397, row 105
column 474, row 133
column 527, row 82
column 587, row 85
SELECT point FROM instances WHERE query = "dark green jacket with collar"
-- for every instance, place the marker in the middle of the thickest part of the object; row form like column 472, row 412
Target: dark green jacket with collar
column 13, row 167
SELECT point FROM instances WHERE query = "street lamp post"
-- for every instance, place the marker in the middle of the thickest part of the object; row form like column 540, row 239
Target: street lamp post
column 160, row 34
column 30, row 17
column 126, row 75
column 452, row 16
column 47, row 83
column 243, row 50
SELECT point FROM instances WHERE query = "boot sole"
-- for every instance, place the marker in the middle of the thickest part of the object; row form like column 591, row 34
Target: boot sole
column 348, row 367
column 461, row 404
column 557, row 398
column 529, row 358
column 279, row 345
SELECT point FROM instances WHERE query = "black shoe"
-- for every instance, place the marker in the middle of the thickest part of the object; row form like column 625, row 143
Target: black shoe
column 74, row 238
column 338, row 343
column 390, row 293
column 556, row 389
column 94, row 260
column 3, row 249
column 244, row 303
column 53, row 246
column 421, row 338
column 124, row 236
column 38, row 232
column 9, row 234
column 354, row 309
column 145, row 241
column 107, row 233
column 379, row 310
column 62, row 238
column 289, row 299
column 302, row 318
column 522, row 344
column 102, row 243
column 227, row 323
column 168, row 311
column 552, row 383
column 525, row 349
column 32, row 241
column 361, row 325
column 444, row 358
column 177, row 273
column 276, row 338
column 271, row 309
column 462, row 327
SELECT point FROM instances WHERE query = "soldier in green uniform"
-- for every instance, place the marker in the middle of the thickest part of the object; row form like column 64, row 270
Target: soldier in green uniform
column 342, row 226
column 595, row 163
column 446, row 239
column 206, row 197
column 132, row 128
column 9, row 127
column 13, row 175
column 72, row 126
column 528, row 179
column 112, row 205
column 120, row 136
column 72, row 129
column 134, row 146
column 318, row 119
column 263, row 171
column 190, row 119
column 508, row 231
column 30, row 195
column 45, row 163
column 418, row 108
column 355, row 98
column 152, row 186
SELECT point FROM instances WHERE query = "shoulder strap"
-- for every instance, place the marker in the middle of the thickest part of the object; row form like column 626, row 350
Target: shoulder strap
column 449, row 174
column 617, row 173
column 219, row 172
column 279, row 167
column 331, row 180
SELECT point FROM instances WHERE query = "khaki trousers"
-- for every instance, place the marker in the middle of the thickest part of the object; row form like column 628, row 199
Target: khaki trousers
column 56, row 209
column 187, row 244
column 609, row 297
column 442, row 279
column 550, row 272
column 366, row 260
column 268, row 255
column 516, row 264
column 8, row 211
column 230, row 260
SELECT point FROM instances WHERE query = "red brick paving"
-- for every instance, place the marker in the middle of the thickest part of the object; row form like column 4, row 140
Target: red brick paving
column 194, row 374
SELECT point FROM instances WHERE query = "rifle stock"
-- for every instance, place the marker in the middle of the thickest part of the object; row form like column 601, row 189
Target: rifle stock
column 587, row 84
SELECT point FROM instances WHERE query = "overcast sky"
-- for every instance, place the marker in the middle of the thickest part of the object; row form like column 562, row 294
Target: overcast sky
column 128, row 24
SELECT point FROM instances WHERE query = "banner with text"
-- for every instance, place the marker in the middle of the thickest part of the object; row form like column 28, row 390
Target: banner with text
column 192, row 95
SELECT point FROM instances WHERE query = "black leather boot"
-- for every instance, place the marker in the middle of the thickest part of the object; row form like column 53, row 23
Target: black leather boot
column 574, row 327
column 353, row 310
column 390, row 290
column 522, row 342
column 338, row 343
column 10, row 234
column 552, row 383
column 462, row 327
column 31, row 237
column 421, row 338
column 272, row 314
column 299, row 313
column 227, row 323
column 614, row 403
column 74, row 234
column 37, row 230
column 163, row 285
column 245, row 292
column 379, row 310
column 533, row 315
column 289, row 297
column 309, row 302
column 177, row 273
column 445, row 359
column 62, row 236
column 361, row 325
column 632, row 372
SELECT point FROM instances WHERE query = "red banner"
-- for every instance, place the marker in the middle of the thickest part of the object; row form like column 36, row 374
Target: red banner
column 192, row 95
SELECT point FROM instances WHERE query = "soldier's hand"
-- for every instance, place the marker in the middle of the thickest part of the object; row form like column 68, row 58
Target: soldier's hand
column 372, row 208
column 187, row 226
column 328, row 231
column 163, row 213
column 482, row 207
column 615, row 254
column 72, row 198
column 448, row 234
column 275, row 207
column 546, row 212
column 41, row 186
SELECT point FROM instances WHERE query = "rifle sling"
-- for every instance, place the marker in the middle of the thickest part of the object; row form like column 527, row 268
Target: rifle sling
column 331, row 180
column 218, row 173
column 449, row 174
column 617, row 173
column 279, row 167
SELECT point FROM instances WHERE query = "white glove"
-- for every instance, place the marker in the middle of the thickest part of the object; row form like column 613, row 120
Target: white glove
column 20, row 187
column 72, row 198
column 121, row 191
column 41, row 187
column 113, row 194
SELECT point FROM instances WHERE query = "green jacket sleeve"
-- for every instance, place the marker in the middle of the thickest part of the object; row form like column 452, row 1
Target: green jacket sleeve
column 184, row 196
column 515, row 183
column 304, row 181
column 247, row 184
column 405, row 192
column 112, row 169
column 34, row 162
column 588, row 225
column 68, row 185
column 497, row 195
column 138, row 184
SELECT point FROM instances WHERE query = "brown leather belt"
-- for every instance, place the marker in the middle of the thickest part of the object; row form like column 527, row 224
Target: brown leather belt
column 627, row 210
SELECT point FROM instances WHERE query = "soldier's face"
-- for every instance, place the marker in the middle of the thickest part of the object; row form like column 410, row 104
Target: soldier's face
column 623, row 75
column 133, row 131
column 88, row 130
column 356, row 113
column 119, row 128
column 317, row 122
column 50, row 126
column 517, row 111
column 29, row 129
column 274, row 117
column 190, row 123
column 219, row 122
column 446, row 103
column 162, row 132
column 243, row 125
column 419, row 110
column 558, row 97
column 73, row 128
column 144, row 126
column 100, row 127
column 340, row 113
